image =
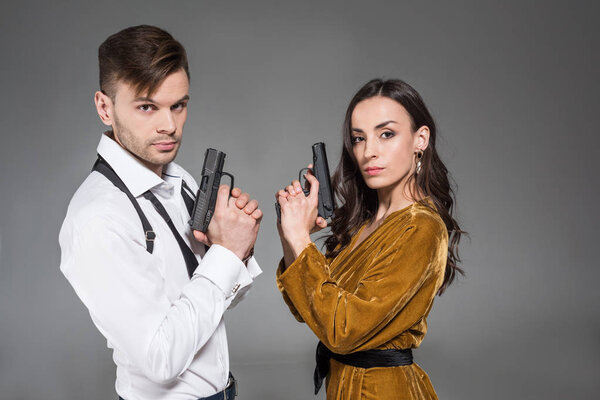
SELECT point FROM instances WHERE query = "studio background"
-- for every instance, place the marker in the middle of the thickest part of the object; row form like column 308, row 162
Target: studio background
column 514, row 90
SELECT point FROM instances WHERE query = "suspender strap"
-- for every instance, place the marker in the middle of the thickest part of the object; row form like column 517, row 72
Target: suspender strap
column 188, row 197
column 105, row 169
column 190, row 259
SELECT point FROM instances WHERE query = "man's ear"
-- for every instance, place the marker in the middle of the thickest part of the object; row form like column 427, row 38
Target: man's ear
column 104, row 107
column 422, row 138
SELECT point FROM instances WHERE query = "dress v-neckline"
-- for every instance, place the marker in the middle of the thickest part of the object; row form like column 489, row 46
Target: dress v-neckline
column 354, row 246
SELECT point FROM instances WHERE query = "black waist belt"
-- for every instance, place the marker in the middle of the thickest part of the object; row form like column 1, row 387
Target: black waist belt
column 228, row 393
column 360, row 359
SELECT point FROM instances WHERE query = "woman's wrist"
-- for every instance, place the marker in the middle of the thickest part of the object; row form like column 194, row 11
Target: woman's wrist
column 298, row 244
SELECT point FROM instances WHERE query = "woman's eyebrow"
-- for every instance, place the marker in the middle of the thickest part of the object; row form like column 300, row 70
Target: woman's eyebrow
column 381, row 125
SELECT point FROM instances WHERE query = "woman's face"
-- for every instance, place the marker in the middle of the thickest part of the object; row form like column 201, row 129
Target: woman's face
column 384, row 144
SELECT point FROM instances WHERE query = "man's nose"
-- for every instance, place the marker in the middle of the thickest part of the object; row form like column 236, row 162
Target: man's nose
column 166, row 124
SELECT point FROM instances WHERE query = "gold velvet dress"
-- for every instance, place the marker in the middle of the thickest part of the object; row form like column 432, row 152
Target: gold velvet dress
column 374, row 296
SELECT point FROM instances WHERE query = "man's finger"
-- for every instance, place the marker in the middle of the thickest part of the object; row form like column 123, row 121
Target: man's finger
column 257, row 214
column 222, row 196
column 201, row 237
column 251, row 206
column 242, row 200
column 236, row 192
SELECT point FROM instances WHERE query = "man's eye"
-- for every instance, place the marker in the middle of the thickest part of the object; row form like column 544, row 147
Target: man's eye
column 178, row 106
column 145, row 107
column 387, row 134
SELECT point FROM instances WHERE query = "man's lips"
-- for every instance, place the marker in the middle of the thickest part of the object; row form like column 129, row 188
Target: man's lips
column 165, row 145
column 373, row 170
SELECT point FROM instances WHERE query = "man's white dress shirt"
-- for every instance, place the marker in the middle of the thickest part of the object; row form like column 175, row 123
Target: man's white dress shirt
column 166, row 331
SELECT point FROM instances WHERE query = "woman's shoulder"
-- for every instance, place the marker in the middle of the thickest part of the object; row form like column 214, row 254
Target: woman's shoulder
column 421, row 216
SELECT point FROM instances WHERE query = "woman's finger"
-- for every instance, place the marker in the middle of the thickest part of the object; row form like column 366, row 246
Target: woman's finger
column 314, row 186
column 281, row 193
column 297, row 186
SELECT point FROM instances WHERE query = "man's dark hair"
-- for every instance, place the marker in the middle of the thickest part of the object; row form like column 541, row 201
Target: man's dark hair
column 142, row 56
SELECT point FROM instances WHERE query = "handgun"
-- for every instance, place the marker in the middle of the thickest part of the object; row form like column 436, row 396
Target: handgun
column 321, row 171
column 206, row 198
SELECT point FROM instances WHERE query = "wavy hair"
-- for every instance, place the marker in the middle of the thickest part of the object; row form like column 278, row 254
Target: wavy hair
column 359, row 203
column 142, row 56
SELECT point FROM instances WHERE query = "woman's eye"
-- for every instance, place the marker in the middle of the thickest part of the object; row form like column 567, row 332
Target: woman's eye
column 356, row 139
column 387, row 134
column 178, row 106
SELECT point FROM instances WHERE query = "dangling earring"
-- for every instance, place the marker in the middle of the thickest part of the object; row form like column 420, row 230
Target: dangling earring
column 419, row 162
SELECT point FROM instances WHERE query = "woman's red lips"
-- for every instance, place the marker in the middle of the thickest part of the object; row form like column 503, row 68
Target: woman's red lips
column 373, row 170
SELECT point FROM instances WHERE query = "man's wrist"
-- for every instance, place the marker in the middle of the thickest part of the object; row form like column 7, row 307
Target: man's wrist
column 249, row 256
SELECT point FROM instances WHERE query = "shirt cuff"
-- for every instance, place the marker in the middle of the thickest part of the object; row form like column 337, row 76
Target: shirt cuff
column 223, row 268
column 253, row 268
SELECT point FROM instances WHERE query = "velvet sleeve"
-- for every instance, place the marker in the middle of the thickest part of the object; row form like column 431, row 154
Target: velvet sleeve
column 286, row 298
column 395, row 292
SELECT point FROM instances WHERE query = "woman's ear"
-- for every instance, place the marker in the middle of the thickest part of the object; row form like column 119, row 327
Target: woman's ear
column 422, row 138
column 104, row 107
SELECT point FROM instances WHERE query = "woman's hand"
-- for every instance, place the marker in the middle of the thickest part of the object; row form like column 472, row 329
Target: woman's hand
column 299, row 216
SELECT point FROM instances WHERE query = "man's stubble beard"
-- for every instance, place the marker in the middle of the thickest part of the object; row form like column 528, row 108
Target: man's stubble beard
column 141, row 151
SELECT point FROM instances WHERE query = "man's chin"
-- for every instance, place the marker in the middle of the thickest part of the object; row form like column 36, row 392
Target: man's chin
column 162, row 158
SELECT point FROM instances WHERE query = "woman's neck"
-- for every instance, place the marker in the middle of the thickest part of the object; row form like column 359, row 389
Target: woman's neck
column 396, row 198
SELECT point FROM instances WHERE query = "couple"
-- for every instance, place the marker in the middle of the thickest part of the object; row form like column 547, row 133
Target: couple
column 158, row 290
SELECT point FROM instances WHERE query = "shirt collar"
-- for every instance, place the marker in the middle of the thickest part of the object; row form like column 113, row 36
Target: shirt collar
column 135, row 175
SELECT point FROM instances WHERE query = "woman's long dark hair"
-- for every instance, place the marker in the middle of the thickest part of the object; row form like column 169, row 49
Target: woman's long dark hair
column 359, row 203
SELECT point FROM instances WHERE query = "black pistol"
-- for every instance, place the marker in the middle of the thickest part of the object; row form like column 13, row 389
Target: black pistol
column 321, row 171
column 204, row 207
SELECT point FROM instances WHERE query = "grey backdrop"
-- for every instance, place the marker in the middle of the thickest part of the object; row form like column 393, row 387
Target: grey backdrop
column 512, row 85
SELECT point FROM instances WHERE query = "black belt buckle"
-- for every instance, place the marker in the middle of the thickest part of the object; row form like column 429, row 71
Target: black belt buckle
column 232, row 384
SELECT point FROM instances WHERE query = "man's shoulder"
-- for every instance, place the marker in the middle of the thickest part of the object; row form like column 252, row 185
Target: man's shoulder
column 99, row 201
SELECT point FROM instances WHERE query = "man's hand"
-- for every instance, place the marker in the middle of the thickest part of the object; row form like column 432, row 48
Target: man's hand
column 235, row 222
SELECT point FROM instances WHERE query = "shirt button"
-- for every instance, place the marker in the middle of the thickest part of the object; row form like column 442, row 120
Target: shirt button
column 235, row 288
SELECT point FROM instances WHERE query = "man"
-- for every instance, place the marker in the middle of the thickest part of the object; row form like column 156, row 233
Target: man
column 153, row 287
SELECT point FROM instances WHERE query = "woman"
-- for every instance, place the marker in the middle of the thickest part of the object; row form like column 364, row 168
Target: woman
column 392, row 248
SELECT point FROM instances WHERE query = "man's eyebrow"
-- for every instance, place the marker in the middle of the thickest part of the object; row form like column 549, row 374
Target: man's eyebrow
column 150, row 100
column 381, row 125
column 145, row 99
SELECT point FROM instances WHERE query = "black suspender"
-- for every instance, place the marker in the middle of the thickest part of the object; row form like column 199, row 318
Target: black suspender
column 191, row 262
column 188, row 197
column 190, row 259
column 105, row 169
